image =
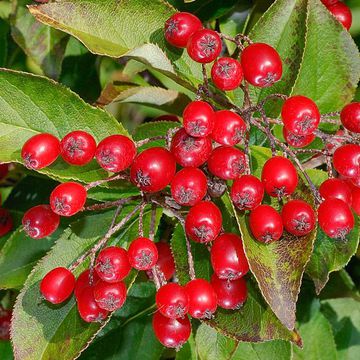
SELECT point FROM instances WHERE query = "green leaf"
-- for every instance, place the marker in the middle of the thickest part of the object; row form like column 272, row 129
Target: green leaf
column 188, row 350
column 6, row 350
column 4, row 30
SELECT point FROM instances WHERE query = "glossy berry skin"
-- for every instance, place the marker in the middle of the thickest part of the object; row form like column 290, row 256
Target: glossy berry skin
column 336, row 188
column 115, row 153
column 297, row 141
column 229, row 128
column 188, row 186
column 355, row 195
column 204, row 46
column 350, row 117
column 179, row 27
column 247, row 192
column 266, row 224
column 279, row 176
column 142, row 254
column 172, row 301
column 226, row 73
column 335, row 218
column 298, row 217
column 165, row 261
column 40, row 151
column 112, row 264
column 6, row 222
column 261, row 64
column 83, row 282
column 227, row 162
column 329, row 2
column 172, row 333
column 190, row 151
column 40, row 221
column 346, row 160
column 4, row 170
column 88, row 308
column 203, row 222
column 108, row 296
column 68, row 198
column 342, row 14
column 198, row 119
column 228, row 258
column 153, row 169
column 300, row 115
column 230, row 294
column 78, row 148
column 202, row 299
column 57, row 285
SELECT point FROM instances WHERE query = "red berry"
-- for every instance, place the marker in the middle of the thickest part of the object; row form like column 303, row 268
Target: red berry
column 40, row 151
column 229, row 128
column 335, row 218
column 355, row 194
column 172, row 301
column 57, row 285
column 204, row 46
column 6, row 222
column 203, row 222
column 179, row 27
column 188, row 186
column 68, row 198
column 266, row 224
column 247, row 192
column 228, row 258
column 88, row 308
column 297, row 141
column 5, row 323
column 108, row 296
column 279, row 176
column 329, row 2
column 40, row 221
column 300, row 115
column 112, row 264
column 227, row 162
column 226, row 73
column 142, row 254
column 83, row 281
column 298, row 217
column 190, row 151
column 78, row 147
column 350, row 117
column 4, row 170
column 346, row 160
column 198, row 119
column 172, row 333
column 230, row 294
column 202, row 299
column 115, row 153
column 165, row 262
column 261, row 64
column 342, row 14
column 153, row 169
column 335, row 188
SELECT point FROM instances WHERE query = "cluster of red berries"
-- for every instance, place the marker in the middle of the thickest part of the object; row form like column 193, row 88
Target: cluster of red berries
column 340, row 10
column 6, row 222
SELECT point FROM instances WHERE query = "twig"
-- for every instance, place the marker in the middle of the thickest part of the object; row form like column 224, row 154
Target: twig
column 141, row 219
column 148, row 140
column 103, row 181
column 110, row 204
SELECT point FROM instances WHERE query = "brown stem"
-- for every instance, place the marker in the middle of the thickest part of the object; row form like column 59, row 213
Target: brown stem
column 205, row 79
column 148, row 140
column 110, row 204
column 103, row 181
column 141, row 219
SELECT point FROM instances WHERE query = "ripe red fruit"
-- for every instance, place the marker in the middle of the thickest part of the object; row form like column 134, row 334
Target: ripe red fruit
column 297, row 141
column 336, row 188
column 4, row 170
column 142, row 254
column 172, row 301
column 350, row 117
column 300, row 115
column 266, row 224
column 40, row 151
column 189, row 186
column 342, row 14
column 68, row 198
column 78, row 147
column 6, row 222
column 40, row 221
column 261, row 65
column 83, row 281
column 115, row 153
column 165, row 262
column 179, row 27
column 108, row 296
column 226, row 73
column 204, row 46
column 198, row 119
column 190, row 151
column 203, row 222
column 355, row 194
column 329, row 2
column 229, row 128
column 298, row 217
column 346, row 160
column 335, row 218
column 228, row 258
column 112, row 264
column 172, row 333
column 227, row 162
column 247, row 192
column 5, row 323
column 57, row 285
column 153, row 169
column 202, row 299
column 230, row 294
column 88, row 308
